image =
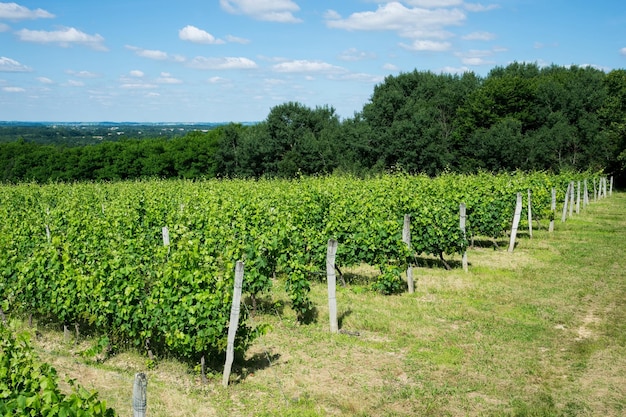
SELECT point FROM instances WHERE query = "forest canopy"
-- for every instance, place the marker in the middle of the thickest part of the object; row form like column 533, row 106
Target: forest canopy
column 518, row 117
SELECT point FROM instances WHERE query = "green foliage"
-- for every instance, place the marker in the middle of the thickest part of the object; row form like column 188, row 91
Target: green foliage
column 31, row 388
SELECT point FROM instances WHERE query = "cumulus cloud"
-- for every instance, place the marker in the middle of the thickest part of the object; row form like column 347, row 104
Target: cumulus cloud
column 11, row 65
column 390, row 67
column 136, row 73
column 138, row 86
column 211, row 63
column 268, row 10
column 14, row 11
column 149, row 53
column 354, row 54
column 396, row 17
column 45, row 80
column 64, row 37
column 307, row 66
column 193, row 34
column 623, row 51
column 479, row 36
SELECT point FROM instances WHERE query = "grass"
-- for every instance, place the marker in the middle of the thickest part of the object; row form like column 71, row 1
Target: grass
column 539, row 332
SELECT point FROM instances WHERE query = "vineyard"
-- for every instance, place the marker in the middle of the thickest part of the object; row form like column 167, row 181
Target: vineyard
column 92, row 256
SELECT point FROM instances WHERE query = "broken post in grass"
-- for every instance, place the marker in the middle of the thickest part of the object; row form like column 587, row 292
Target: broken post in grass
column 140, row 399
column 516, row 219
column 332, row 285
column 406, row 238
column 234, row 322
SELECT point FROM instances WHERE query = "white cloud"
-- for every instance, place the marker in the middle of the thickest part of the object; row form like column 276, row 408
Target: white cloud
column 136, row 74
column 269, row 10
column 390, row 67
column 13, row 89
column 45, row 80
column 4, row 27
column 354, row 54
column 307, row 66
column 75, row 83
column 236, row 39
column 455, row 70
column 210, row 63
column 477, row 7
column 149, row 53
column 218, row 80
column 359, row 77
column 196, row 35
column 431, row 4
column 11, row 65
column 407, row 22
column 14, row 11
column 475, row 57
column 479, row 36
column 83, row 74
column 623, row 51
column 138, row 86
column 166, row 78
column 64, row 37
column 424, row 45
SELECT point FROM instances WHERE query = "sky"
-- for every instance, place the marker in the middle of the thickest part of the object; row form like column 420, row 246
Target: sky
column 234, row 60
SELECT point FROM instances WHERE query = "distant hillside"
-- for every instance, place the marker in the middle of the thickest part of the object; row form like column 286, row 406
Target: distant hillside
column 76, row 134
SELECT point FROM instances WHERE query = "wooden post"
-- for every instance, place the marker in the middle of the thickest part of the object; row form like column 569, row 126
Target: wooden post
column 332, row 285
column 406, row 238
column 604, row 181
column 530, row 215
column 611, row 187
column 553, row 208
column 140, row 403
column 234, row 322
column 585, row 194
column 571, row 199
column 463, row 218
column 166, row 236
column 564, row 215
column 516, row 219
column 578, row 199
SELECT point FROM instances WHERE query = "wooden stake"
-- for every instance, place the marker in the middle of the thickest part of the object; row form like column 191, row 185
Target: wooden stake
column 578, row 199
column 530, row 215
column 553, row 208
column 166, row 236
column 462, row 220
column 564, row 215
column 406, row 238
column 234, row 322
column 516, row 219
column 332, row 285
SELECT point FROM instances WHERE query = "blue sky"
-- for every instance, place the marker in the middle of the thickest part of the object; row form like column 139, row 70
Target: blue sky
column 233, row 60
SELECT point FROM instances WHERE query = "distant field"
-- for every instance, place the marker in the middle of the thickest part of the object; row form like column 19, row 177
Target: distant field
column 539, row 332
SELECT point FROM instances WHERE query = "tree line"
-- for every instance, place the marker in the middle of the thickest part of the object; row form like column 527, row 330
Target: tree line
column 521, row 116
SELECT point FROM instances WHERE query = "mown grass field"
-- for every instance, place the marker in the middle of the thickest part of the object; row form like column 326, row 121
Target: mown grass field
column 539, row 332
